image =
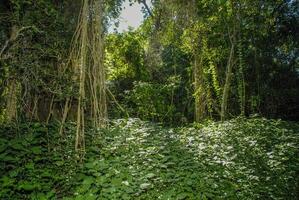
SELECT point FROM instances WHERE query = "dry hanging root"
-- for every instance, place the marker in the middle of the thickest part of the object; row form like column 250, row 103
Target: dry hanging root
column 86, row 61
column 97, row 72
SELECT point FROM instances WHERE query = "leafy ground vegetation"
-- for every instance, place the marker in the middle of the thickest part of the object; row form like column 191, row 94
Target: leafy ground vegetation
column 159, row 111
column 132, row 159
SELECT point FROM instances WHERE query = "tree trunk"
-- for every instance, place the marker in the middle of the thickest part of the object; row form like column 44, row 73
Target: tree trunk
column 228, row 78
column 199, row 89
column 11, row 101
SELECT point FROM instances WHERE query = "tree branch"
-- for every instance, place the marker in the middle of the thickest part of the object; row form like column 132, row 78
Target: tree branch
column 14, row 34
column 146, row 7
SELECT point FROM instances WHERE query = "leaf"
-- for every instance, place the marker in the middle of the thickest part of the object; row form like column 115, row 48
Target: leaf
column 29, row 165
column 150, row 175
column 28, row 186
column 59, row 163
column 3, row 145
column 145, row 186
column 6, row 181
column 8, row 158
column 116, row 181
column 41, row 196
column 88, row 196
column 88, row 180
column 17, row 146
column 2, row 148
column 46, row 174
column 89, row 165
column 36, row 150
column 182, row 196
column 95, row 149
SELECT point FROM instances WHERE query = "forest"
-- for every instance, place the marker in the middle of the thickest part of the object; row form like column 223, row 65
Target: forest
column 199, row 102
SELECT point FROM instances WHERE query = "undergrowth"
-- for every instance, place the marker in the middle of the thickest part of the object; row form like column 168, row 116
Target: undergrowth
column 237, row 159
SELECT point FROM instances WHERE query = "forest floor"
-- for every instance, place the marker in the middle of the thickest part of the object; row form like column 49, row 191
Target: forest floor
column 237, row 159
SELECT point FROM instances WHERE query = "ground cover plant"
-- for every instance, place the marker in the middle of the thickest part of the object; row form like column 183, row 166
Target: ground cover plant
column 198, row 99
column 238, row 159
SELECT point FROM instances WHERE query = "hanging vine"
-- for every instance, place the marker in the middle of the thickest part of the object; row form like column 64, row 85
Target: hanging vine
column 96, row 68
column 86, row 61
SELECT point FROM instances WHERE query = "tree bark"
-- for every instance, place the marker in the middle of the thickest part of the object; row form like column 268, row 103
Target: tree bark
column 199, row 89
column 228, row 78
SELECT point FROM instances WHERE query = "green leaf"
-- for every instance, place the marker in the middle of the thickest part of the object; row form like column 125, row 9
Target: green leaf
column 182, row 196
column 8, row 158
column 89, row 165
column 150, row 175
column 6, row 181
column 29, row 165
column 59, row 163
column 36, row 150
column 88, row 180
column 46, row 173
column 17, row 146
column 145, row 186
column 28, row 186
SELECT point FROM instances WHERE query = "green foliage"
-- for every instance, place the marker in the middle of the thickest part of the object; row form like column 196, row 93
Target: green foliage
column 238, row 159
column 164, row 46
column 35, row 162
column 151, row 101
column 36, row 57
column 146, row 91
column 124, row 57
column 150, row 73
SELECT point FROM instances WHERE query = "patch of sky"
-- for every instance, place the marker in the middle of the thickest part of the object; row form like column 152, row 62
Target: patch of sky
column 131, row 17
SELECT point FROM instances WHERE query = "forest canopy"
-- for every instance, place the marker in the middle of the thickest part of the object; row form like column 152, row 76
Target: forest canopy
column 188, row 61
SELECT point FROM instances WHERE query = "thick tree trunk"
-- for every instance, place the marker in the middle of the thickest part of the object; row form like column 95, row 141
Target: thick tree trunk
column 11, row 100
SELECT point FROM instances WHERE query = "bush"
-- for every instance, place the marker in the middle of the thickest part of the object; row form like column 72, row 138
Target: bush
column 152, row 101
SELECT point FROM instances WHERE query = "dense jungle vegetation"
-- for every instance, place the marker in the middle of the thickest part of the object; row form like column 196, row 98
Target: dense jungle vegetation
column 201, row 101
